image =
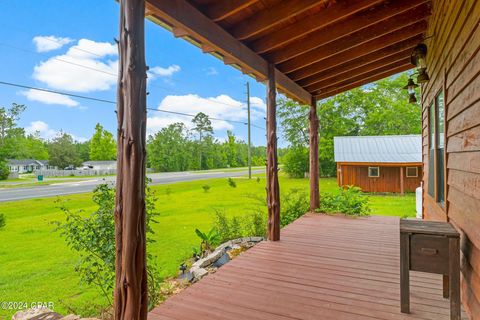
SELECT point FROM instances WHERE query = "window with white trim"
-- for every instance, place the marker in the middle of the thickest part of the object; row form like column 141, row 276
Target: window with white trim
column 373, row 172
column 412, row 172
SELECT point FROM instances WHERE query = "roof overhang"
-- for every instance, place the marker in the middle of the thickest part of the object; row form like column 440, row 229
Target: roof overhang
column 319, row 47
column 382, row 164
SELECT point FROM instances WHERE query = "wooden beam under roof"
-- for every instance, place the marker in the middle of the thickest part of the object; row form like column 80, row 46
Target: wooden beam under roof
column 382, row 28
column 414, row 31
column 381, row 70
column 342, row 76
column 363, row 81
column 179, row 13
column 333, row 70
column 378, row 18
column 223, row 9
column 309, row 24
column 270, row 17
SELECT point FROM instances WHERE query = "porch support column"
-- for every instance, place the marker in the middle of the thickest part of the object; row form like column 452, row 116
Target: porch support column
column 273, row 188
column 130, row 295
column 314, row 171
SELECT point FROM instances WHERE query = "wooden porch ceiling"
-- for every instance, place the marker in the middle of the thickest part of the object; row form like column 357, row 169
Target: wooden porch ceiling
column 319, row 47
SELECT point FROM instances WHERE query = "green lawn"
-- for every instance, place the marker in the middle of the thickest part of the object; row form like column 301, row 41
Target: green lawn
column 36, row 265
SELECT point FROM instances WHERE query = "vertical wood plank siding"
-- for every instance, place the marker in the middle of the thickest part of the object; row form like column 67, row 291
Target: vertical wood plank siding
column 453, row 64
column 389, row 180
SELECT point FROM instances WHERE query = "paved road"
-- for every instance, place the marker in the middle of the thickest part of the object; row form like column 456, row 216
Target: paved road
column 88, row 185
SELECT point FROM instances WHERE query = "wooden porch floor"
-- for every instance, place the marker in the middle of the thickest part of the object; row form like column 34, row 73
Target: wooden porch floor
column 325, row 267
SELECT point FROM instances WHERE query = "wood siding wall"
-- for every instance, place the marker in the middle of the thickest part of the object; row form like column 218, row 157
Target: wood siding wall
column 453, row 64
column 389, row 180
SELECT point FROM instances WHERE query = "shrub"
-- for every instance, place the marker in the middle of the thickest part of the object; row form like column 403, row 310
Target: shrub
column 250, row 225
column 226, row 229
column 255, row 224
column 294, row 205
column 3, row 221
column 93, row 237
column 296, row 162
column 349, row 201
column 206, row 188
column 232, row 183
column 258, row 179
column 209, row 240
column 4, row 170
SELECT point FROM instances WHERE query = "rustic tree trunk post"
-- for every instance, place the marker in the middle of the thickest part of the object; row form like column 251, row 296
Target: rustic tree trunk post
column 273, row 188
column 314, row 171
column 130, row 295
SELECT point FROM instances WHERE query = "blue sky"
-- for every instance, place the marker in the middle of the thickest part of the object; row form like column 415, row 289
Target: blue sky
column 68, row 46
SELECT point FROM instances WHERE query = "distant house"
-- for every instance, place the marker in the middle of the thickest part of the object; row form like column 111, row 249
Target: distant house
column 101, row 165
column 379, row 163
column 27, row 165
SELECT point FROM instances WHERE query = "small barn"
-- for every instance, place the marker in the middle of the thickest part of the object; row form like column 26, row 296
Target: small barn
column 379, row 163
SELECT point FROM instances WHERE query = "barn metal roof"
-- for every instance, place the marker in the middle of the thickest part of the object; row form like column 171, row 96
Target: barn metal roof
column 381, row 149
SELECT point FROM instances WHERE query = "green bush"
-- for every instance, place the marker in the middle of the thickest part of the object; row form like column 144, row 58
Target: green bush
column 294, row 205
column 296, row 162
column 255, row 224
column 236, row 227
column 232, row 183
column 349, row 201
column 3, row 221
column 206, row 188
column 4, row 170
column 93, row 237
column 209, row 241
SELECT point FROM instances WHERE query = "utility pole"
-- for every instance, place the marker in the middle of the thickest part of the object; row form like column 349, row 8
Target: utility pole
column 249, row 135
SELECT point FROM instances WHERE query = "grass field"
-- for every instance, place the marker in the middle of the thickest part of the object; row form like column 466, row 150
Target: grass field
column 36, row 265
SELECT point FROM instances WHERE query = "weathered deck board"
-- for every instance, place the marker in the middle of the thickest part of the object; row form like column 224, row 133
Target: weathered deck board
column 324, row 267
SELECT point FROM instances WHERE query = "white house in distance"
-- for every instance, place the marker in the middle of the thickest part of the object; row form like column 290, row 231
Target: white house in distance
column 101, row 165
column 27, row 165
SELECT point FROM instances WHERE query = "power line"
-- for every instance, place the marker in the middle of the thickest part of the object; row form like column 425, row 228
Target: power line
column 95, row 69
column 59, row 59
column 5, row 83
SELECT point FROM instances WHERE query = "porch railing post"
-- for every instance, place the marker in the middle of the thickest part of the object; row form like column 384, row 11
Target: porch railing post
column 273, row 188
column 130, row 295
column 314, row 163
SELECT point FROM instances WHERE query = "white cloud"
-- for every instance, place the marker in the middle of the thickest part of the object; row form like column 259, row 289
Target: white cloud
column 49, row 98
column 88, row 66
column 45, row 132
column 85, row 67
column 211, row 71
column 49, row 43
column 258, row 103
column 155, row 72
column 221, row 107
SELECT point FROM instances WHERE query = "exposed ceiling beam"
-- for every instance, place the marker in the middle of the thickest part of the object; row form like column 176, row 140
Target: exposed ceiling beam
column 403, row 57
column 362, row 81
column 312, row 23
column 389, row 26
column 223, row 9
column 376, row 21
column 330, row 71
column 270, row 17
column 363, row 49
column 181, row 14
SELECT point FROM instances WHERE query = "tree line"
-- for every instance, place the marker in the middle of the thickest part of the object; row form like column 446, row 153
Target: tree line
column 61, row 151
column 177, row 148
column 380, row 108
column 173, row 148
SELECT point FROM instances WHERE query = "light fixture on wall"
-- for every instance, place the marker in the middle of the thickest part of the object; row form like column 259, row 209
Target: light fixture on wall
column 418, row 58
column 410, row 87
